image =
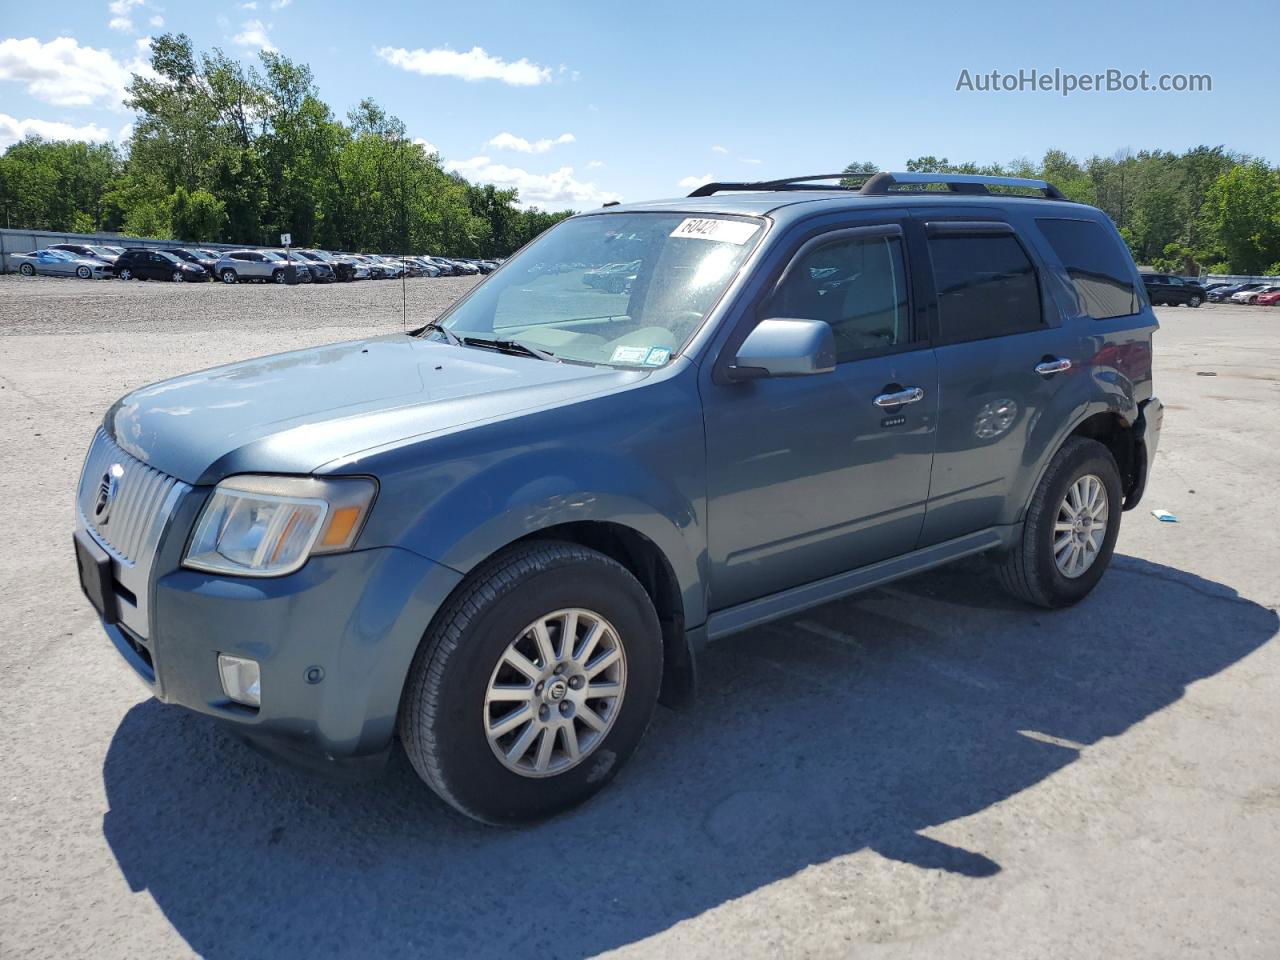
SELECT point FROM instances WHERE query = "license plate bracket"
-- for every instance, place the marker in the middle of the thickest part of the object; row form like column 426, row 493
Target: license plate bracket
column 96, row 577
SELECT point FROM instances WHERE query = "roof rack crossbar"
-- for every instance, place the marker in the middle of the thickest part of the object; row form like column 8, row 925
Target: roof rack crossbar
column 880, row 184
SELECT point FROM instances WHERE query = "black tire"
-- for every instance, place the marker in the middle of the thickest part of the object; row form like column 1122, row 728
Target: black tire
column 27, row 270
column 277, row 276
column 125, row 273
column 84, row 273
column 177, row 277
column 1194, row 301
column 229, row 276
column 1028, row 570
column 441, row 714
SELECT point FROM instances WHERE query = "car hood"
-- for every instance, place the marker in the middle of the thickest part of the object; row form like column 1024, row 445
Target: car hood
column 300, row 411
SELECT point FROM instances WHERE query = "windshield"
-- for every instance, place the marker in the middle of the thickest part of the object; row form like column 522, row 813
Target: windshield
column 101, row 250
column 168, row 256
column 60, row 254
column 627, row 289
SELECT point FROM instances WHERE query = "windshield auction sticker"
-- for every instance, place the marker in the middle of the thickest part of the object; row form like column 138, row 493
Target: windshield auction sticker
column 722, row 231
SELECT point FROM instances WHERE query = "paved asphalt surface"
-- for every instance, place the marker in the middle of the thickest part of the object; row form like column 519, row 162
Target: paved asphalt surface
column 929, row 769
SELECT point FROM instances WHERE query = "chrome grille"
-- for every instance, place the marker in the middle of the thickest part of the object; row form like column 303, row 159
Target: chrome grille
column 126, row 526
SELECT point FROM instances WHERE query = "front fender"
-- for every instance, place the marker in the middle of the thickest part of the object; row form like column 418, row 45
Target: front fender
column 460, row 498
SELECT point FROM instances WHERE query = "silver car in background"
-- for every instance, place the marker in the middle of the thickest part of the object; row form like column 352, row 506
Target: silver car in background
column 60, row 263
column 237, row 265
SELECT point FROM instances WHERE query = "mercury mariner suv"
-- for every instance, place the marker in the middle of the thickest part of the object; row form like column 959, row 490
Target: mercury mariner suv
column 502, row 537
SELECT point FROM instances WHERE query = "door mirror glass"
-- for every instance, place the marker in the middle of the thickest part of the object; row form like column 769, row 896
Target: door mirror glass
column 785, row 347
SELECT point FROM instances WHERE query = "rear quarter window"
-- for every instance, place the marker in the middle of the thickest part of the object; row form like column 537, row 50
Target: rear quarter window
column 1099, row 268
column 986, row 286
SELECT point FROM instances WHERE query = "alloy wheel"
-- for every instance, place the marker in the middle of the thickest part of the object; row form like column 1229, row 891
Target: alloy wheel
column 555, row 693
column 1081, row 527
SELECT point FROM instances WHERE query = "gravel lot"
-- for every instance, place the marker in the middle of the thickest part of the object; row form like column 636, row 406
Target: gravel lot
column 928, row 769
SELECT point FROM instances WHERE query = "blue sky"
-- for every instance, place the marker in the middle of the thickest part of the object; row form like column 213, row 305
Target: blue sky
column 577, row 103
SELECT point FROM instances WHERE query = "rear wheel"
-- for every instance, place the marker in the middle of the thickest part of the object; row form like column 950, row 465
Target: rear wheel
column 229, row 276
column 27, row 270
column 534, row 684
column 1070, row 529
column 304, row 276
column 277, row 276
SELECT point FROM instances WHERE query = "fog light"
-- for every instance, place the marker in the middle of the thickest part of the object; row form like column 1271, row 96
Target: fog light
column 240, row 679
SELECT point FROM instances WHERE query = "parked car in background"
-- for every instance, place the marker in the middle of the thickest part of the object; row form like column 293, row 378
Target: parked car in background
column 201, row 258
column 317, row 270
column 612, row 277
column 1230, row 290
column 1251, row 296
column 139, row 264
column 60, row 263
column 463, row 267
column 342, row 268
column 1166, row 289
column 91, row 250
column 446, row 267
column 261, row 265
column 377, row 271
column 1269, row 299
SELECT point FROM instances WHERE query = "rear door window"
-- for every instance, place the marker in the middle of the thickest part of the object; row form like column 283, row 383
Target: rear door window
column 986, row 284
column 1099, row 268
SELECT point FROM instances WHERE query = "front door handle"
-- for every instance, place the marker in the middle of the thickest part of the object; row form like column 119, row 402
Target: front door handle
column 899, row 397
column 1049, row 367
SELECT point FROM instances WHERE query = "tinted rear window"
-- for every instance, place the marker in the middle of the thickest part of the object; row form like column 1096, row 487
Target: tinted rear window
column 986, row 286
column 1097, row 265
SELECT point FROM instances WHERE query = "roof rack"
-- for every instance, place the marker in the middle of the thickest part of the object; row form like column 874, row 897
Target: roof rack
column 880, row 184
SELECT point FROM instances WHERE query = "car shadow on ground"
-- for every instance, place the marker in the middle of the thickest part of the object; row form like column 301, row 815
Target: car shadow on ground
column 853, row 726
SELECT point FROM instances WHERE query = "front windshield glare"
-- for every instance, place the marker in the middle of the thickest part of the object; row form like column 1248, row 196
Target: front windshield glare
column 622, row 289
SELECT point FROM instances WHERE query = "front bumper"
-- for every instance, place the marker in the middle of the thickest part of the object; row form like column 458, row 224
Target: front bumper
column 357, row 617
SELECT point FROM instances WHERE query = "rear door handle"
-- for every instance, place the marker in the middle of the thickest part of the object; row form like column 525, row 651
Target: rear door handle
column 899, row 397
column 1049, row 367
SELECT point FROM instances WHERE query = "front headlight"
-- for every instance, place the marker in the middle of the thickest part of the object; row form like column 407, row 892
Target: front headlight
column 261, row 526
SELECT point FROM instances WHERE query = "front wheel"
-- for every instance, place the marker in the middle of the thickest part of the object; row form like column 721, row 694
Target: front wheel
column 534, row 684
column 125, row 274
column 1070, row 529
column 84, row 273
column 176, row 277
column 1194, row 302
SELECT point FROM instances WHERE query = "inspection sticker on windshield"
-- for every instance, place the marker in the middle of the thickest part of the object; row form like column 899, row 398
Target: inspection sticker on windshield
column 709, row 228
column 629, row 354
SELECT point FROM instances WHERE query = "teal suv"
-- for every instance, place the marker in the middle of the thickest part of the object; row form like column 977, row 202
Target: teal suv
column 499, row 539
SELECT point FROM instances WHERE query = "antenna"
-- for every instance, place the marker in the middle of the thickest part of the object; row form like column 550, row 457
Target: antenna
column 404, row 240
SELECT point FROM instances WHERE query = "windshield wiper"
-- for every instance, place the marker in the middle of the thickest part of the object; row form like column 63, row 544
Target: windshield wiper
column 437, row 327
column 511, row 346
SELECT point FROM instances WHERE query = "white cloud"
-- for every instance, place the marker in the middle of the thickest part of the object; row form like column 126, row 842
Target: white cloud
column 12, row 130
column 555, row 191
column 719, row 149
column 595, row 163
column 64, row 73
column 157, row 21
column 120, row 10
column 509, row 141
column 426, row 145
column 253, row 34
column 690, row 182
column 125, row 132
column 751, row 160
column 251, row 5
column 472, row 66
column 280, row 4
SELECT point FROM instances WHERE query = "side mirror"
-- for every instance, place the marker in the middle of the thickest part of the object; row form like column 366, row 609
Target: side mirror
column 781, row 347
